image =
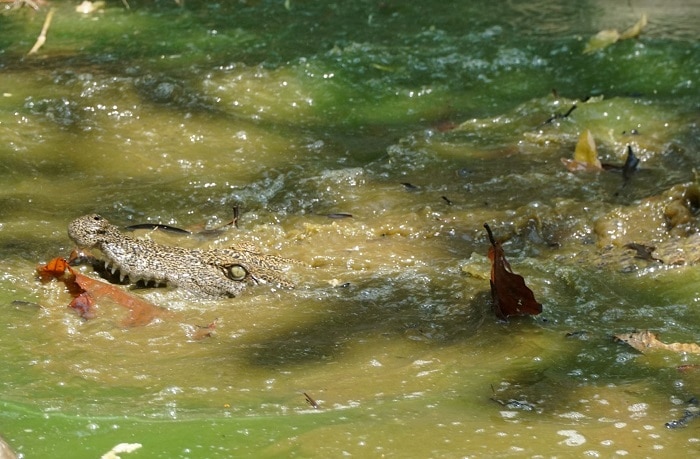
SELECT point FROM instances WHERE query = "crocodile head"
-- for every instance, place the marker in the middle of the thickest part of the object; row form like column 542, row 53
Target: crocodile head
column 210, row 272
column 91, row 230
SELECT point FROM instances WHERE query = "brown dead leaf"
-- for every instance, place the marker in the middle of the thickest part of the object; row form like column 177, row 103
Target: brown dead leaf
column 688, row 367
column 510, row 295
column 646, row 340
column 200, row 332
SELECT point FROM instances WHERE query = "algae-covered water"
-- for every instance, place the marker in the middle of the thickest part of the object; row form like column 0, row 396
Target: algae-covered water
column 370, row 141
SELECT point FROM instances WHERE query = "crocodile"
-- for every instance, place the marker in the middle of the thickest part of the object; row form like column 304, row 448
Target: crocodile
column 207, row 273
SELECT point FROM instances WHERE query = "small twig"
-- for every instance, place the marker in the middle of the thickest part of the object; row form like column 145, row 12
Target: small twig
column 688, row 416
column 644, row 252
column 339, row 215
column 41, row 39
column 558, row 115
column 236, row 214
column 512, row 404
column 630, row 167
column 631, row 164
column 491, row 238
column 157, row 226
column 310, row 401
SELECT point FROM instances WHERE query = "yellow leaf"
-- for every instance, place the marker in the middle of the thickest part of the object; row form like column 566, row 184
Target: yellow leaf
column 586, row 151
column 605, row 38
column 636, row 29
column 601, row 40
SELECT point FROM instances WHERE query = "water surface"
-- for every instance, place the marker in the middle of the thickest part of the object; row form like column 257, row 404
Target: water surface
column 422, row 121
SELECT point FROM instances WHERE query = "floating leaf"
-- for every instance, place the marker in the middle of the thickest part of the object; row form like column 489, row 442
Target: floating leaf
column 585, row 155
column 53, row 269
column 510, row 295
column 88, row 7
column 120, row 449
column 87, row 290
column 586, row 150
column 141, row 311
column 199, row 332
column 635, row 30
column 601, row 40
column 646, row 340
column 605, row 38
column 84, row 305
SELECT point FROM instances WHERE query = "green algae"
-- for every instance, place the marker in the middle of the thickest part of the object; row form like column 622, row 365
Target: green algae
column 422, row 122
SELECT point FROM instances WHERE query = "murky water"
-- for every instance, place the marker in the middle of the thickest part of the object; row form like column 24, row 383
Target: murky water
column 422, row 121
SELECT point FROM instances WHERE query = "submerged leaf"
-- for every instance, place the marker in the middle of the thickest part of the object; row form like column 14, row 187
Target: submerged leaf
column 646, row 340
column 199, row 332
column 84, row 305
column 510, row 295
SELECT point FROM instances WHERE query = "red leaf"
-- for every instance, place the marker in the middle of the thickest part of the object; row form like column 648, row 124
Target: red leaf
column 204, row 331
column 53, row 269
column 84, row 305
column 510, row 295
column 141, row 311
column 87, row 290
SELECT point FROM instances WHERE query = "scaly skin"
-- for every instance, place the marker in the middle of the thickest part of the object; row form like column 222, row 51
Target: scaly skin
column 207, row 273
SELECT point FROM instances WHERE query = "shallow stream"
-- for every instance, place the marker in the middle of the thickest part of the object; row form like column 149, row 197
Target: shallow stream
column 370, row 141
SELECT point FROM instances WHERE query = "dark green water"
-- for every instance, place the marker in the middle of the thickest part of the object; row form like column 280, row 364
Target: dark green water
column 298, row 110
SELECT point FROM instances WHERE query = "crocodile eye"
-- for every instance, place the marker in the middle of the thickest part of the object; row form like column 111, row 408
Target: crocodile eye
column 236, row 272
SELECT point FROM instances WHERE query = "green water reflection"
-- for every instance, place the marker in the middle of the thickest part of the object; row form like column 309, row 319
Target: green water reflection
column 422, row 120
